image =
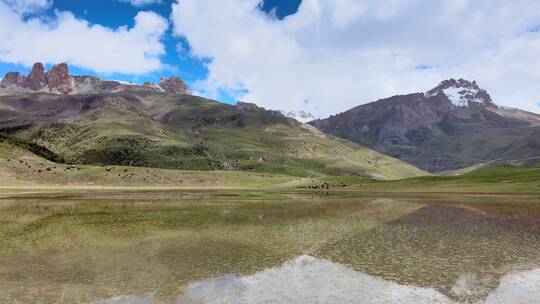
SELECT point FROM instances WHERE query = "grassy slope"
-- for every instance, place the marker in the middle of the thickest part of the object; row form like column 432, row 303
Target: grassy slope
column 22, row 169
column 192, row 133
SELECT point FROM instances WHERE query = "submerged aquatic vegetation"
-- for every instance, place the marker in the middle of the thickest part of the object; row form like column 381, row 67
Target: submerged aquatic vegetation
column 83, row 247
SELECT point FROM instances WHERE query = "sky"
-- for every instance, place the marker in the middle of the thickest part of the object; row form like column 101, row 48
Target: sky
column 320, row 56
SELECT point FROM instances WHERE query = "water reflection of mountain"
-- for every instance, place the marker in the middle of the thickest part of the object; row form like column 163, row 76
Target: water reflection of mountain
column 461, row 251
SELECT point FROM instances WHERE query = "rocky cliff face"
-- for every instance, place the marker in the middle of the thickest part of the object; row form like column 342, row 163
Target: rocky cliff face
column 12, row 79
column 37, row 79
column 454, row 125
column 173, row 85
column 59, row 81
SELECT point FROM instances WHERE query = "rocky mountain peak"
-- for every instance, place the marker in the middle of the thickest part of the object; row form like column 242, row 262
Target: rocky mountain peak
column 59, row 78
column 59, row 81
column 174, row 84
column 37, row 79
column 462, row 93
column 458, row 83
column 12, row 79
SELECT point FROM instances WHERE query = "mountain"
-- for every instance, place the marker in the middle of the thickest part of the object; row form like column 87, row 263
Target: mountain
column 452, row 126
column 103, row 122
column 59, row 81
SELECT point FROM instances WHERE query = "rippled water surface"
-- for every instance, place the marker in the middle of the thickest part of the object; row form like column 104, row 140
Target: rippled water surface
column 263, row 247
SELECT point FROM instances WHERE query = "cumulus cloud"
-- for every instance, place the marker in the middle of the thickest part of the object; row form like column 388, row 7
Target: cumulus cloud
column 66, row 38
column 28, row 6
column 335, row 54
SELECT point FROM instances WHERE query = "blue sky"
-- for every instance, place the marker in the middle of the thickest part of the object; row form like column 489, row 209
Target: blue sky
column 320, row 56
column 114, row 13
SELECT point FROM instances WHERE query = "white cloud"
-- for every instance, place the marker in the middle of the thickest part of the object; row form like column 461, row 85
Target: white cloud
column 340, row 53
column 307, row 279
column 65, row 38
column 141, row 2
column 28, row 6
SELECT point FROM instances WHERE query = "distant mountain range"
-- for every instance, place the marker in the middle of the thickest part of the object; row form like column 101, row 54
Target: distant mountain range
column 86, row 120
column 452, row 126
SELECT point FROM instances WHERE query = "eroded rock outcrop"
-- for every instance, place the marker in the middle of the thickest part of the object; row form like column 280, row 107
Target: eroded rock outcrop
column 37, row 79
column 59, row 79
column 12, row 79
column 173, row 84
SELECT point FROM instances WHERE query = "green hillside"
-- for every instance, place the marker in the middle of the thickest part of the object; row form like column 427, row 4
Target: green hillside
column 22, row 169
column 158, row 130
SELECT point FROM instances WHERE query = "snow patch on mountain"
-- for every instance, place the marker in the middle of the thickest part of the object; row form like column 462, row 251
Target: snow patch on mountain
column 130, row 83
column 461, row 97
column 461, row 93
column 301, row 115
column 154, row 86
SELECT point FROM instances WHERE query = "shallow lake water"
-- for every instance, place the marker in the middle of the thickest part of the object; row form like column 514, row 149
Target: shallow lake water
column 268, row 247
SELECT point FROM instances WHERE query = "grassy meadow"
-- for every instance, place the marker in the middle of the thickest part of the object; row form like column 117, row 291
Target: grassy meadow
column 22, row 169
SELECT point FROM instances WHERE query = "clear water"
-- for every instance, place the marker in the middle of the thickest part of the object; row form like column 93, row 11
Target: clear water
column 262, row 247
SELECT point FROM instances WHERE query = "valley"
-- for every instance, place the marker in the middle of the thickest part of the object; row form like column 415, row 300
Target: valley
column 137, row 126
column 269, row 152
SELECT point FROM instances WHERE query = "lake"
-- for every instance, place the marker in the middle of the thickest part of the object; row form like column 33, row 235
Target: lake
column 268, row 247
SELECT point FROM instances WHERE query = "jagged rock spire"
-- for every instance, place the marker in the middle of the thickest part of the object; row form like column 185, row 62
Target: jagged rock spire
column 37, row 79
column 12, row 79
column 59, row 78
